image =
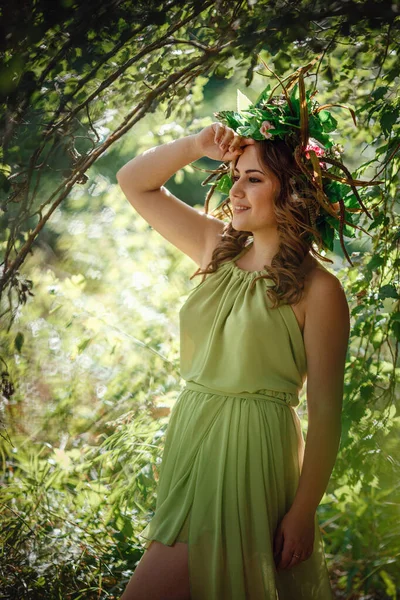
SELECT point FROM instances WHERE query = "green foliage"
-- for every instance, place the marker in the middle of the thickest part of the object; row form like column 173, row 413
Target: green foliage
column 99, row 373
column 63, row 89
column 361, row 524
column 70, row 518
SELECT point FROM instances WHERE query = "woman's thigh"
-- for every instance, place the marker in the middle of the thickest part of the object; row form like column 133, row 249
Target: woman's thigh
column 161, row 574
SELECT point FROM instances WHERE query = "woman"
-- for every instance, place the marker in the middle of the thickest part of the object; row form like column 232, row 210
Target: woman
column 238, row 492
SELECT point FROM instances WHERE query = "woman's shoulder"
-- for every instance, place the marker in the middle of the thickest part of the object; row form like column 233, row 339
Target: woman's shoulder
column 315, row 271
column 325, row 307
column 319, row 281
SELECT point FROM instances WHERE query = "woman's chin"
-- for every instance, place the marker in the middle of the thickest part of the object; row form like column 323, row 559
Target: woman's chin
column 237, row 227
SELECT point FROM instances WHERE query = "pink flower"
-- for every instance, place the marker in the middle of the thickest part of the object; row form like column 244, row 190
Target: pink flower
column 318, row 151
column 266, row 125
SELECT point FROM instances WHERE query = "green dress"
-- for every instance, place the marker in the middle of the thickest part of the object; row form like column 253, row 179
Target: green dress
column 234, row 446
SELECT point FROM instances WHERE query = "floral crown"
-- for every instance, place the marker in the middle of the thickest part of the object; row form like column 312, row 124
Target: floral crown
column 296, row 117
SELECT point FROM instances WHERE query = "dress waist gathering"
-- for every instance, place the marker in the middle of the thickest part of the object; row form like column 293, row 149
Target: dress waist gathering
column 288, row 399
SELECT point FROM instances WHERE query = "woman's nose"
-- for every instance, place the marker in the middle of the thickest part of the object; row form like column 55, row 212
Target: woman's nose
column 236, row 189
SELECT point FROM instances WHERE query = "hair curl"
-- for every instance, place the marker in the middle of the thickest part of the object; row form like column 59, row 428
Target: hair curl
column 295, row 215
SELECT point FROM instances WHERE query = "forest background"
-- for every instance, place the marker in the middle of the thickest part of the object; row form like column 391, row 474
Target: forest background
column 90, row 294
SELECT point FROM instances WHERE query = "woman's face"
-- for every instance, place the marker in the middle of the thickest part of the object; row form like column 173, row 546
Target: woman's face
column 256, row 190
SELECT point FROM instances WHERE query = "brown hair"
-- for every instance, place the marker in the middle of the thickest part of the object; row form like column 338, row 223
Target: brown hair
column 294, row 216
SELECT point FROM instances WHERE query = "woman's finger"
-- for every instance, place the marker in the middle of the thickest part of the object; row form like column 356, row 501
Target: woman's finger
column 229, row 141
column 247, row 141
column 235, row 143
column 218, row 132
column 295, row 560
column 227, row 138
column 278, row 541
column 286, row 558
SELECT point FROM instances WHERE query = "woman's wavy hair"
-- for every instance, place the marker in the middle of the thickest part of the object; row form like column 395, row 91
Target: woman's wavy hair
column 293, row 205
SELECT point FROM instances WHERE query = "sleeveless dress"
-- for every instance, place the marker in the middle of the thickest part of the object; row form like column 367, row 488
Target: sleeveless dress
column 234, row 447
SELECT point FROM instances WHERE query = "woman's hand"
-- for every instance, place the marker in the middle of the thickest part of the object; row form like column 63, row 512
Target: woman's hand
column 220, row 142
column 294, row 535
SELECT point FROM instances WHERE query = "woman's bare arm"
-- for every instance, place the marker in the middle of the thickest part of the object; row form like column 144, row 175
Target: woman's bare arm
column 150, row 170
column 326, row 336
column 142, row 180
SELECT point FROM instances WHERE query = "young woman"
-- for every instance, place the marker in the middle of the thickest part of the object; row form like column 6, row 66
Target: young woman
column 238, row 489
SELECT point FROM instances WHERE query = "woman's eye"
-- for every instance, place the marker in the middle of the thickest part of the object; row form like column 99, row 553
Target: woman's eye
column 252, row 179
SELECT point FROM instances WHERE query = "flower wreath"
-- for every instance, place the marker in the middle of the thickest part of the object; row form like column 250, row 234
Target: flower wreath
column 297, row 118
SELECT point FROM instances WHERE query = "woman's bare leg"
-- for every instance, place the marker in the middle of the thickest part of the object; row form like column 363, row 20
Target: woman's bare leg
column 161, row 574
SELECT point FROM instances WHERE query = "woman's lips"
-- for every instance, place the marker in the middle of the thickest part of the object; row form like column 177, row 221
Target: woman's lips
column 240, row 210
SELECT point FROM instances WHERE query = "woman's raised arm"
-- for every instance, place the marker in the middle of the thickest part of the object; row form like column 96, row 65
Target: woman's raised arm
column 142, row 180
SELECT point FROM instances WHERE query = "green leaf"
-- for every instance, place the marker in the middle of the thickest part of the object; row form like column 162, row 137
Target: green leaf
column 348, row 231
column 390, row 585
column 327, row 233
column 351, row 201
column 230, row 118
column 243, row 101
column 327, row 120
column 282, row 62
column 375, row 262
column 296, row 106
column 366, row 393
column 295, row 93
column 395, row 326
column 379, row 93
column 224, row 184
column 388, row 119
column 263, row 97
column 316, row 131
column 19, row 341
column 83, row 345
column 377, row 221
column 388, row 291
column 4, row 182
column 222, row 72
column 250, row 131
column 335, row 190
